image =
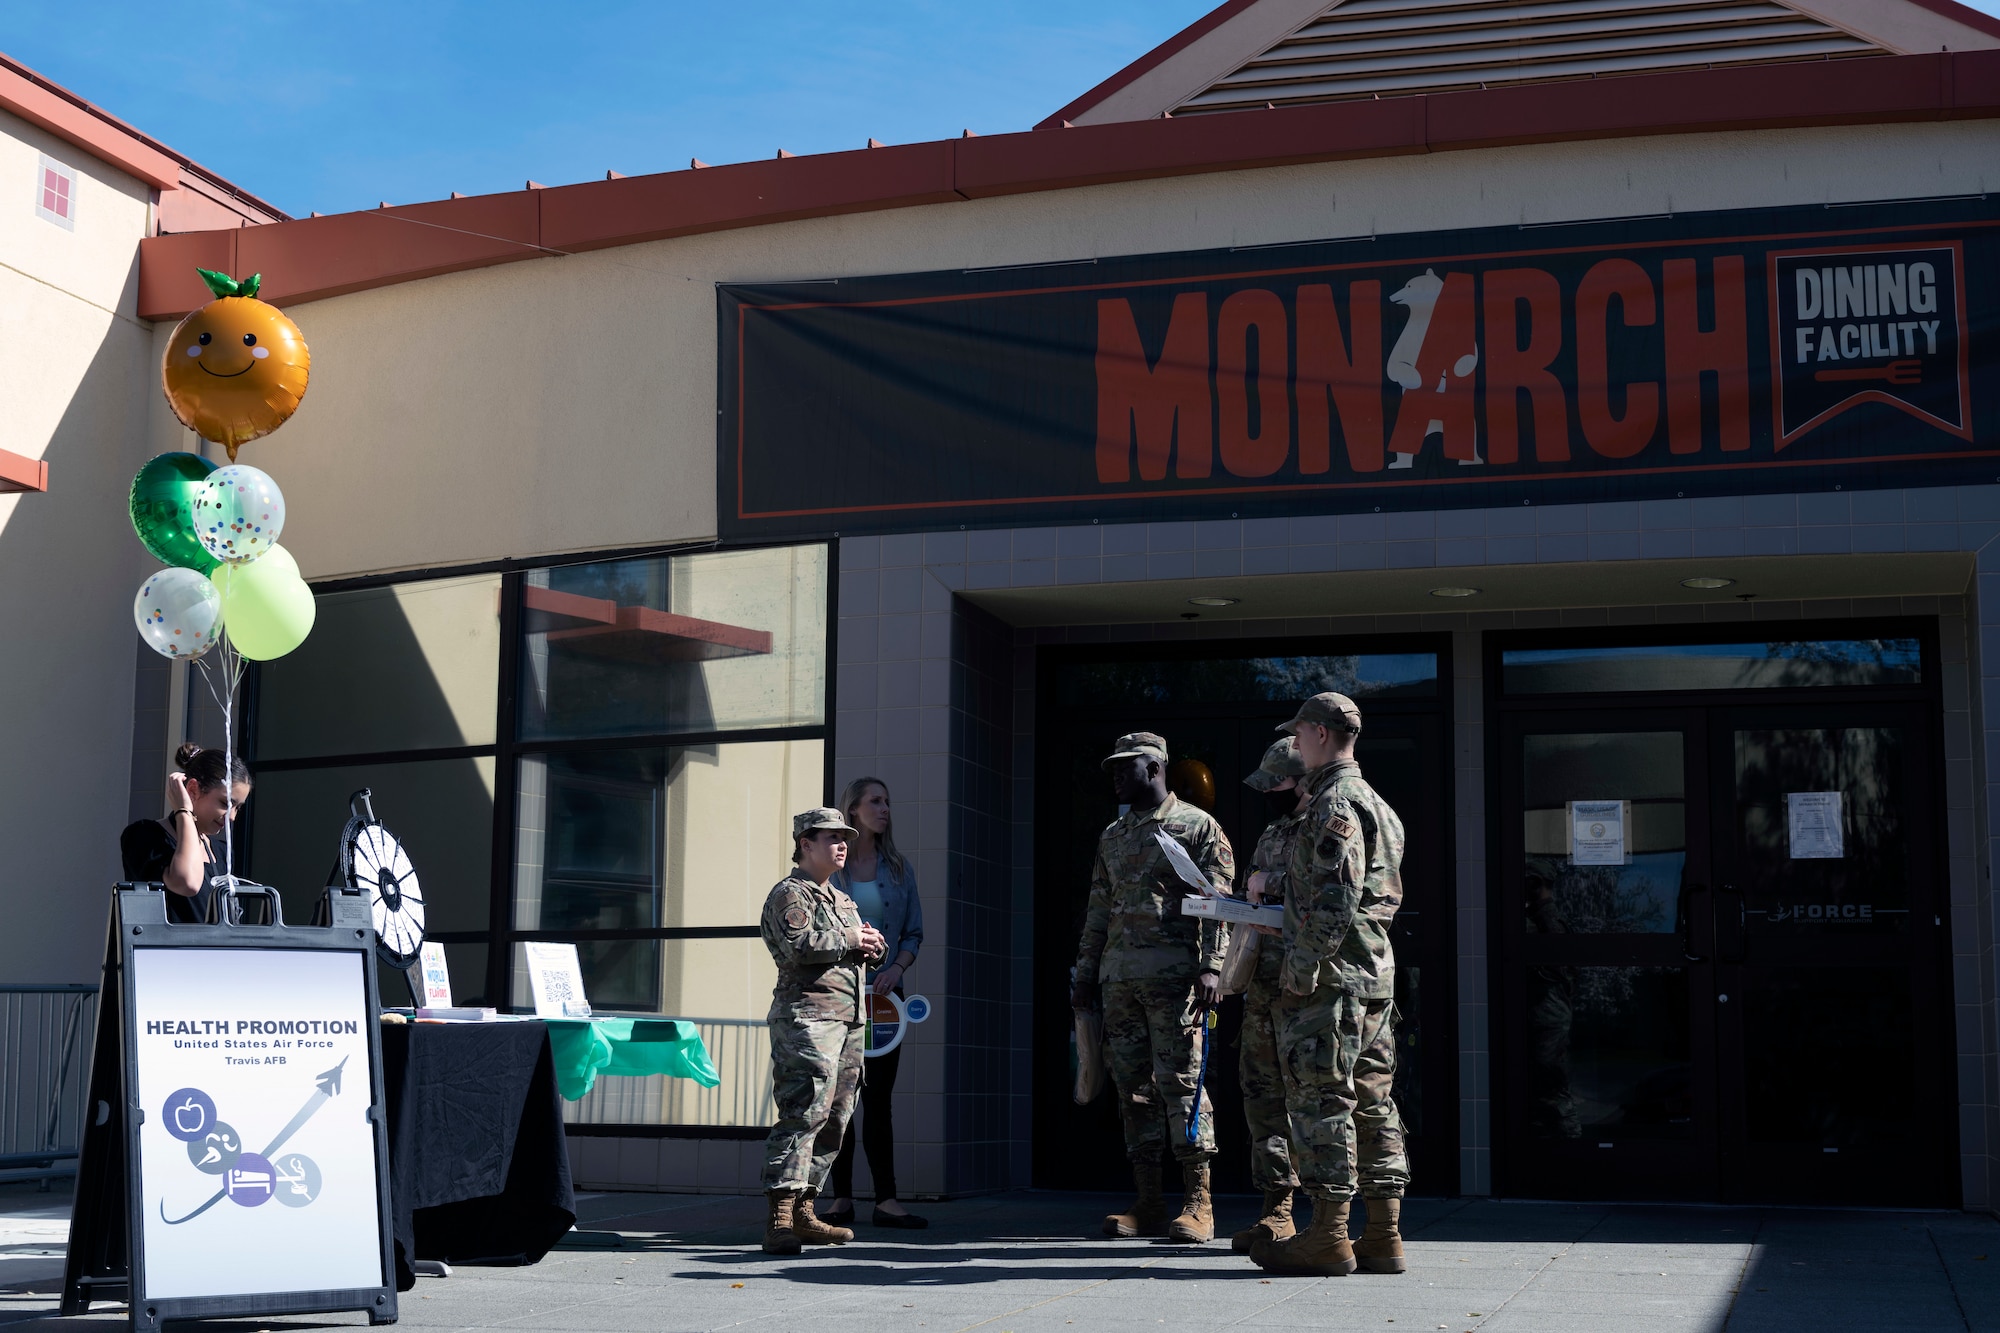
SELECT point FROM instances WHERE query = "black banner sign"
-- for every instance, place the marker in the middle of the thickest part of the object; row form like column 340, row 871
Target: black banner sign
column 1718, row 353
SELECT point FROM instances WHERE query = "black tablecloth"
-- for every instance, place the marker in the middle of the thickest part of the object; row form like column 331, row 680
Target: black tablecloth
column 478, row 1165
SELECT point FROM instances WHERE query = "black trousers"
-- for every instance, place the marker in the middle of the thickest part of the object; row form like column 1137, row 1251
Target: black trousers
column 878, row 1132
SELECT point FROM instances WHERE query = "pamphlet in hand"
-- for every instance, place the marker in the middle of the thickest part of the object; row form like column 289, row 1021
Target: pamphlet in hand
column 1184, row 865
column 1224, row 908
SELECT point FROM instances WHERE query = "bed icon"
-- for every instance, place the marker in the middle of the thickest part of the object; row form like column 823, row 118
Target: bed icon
column 244, row 1182
column 253, row 1180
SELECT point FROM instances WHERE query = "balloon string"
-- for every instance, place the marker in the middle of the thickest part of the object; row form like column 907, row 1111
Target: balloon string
column 230, row 668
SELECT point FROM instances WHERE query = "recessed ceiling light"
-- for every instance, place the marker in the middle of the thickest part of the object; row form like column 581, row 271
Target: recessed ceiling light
column 1454, row 592
column 1213, row 601
column 1706, row 583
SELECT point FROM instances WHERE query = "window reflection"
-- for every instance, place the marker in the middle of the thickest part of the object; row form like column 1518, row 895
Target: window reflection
column 655, row 837
column 1608, row 1053
column 441, row 810
column 1779, row 664
column 1639, row 896
column 1867, row 886
column 1248, row 679
column 713, row 641
column 413, row 666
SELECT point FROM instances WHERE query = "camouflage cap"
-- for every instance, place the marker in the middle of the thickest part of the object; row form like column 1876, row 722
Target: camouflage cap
column 1137, row 744
column 1281, row 761
column 1336, row 711
column 822, row 817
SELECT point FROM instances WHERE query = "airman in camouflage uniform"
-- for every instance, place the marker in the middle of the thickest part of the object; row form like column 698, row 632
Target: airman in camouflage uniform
column 1258, row 1073
column 819, row 942
column 1157, row 969
column 1336, row 1038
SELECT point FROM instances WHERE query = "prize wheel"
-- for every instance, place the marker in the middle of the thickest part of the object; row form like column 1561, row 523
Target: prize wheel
column 373, row 862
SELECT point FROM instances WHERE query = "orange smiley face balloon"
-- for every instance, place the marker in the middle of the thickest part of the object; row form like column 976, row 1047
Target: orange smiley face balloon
column 235, row 369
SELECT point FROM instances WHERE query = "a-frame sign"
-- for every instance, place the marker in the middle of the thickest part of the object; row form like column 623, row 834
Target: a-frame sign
column 235, row 1149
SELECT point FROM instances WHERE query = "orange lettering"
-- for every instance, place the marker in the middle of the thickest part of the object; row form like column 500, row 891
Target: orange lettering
column 1333, row 384
column 1237, row 381
column 1693, row 352
column 1162, row 408
column 1512, row 368
column 1605, row 431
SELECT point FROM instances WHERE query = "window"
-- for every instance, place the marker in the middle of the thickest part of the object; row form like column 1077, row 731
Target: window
column 1239, row 680
column 1782, row 664
column 55, row 193
column 607, row 754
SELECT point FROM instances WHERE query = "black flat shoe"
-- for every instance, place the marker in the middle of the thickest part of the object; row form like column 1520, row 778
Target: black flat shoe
column 898, row 1221
column 843, row 1218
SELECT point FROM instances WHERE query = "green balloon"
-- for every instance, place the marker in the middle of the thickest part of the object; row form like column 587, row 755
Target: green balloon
column 162, row 510
column 267, row 609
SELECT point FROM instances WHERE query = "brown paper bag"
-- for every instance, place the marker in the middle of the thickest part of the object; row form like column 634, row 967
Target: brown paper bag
column 1239, row 962
column 1090, row 1077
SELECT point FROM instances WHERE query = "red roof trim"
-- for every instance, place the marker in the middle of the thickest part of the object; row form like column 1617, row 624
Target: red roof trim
column 19, row 474
column 33, row 100
column 1152, row 60
column 313, row 258
column 44, row 102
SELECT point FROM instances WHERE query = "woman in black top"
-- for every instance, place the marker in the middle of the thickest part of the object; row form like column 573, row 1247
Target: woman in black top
column 184, row 850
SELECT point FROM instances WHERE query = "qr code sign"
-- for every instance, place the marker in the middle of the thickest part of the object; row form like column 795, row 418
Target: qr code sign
column 558, row 981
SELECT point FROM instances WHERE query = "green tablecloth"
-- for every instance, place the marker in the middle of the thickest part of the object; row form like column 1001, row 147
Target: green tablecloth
column 587, row 1047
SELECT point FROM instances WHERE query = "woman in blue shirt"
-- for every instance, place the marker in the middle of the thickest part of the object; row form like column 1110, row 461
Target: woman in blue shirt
column 884, row 886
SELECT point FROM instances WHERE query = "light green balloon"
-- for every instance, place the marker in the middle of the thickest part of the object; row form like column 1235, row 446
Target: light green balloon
column 267, row 609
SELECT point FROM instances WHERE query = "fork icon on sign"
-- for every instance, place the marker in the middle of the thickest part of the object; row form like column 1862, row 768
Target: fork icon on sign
column 1896, row 372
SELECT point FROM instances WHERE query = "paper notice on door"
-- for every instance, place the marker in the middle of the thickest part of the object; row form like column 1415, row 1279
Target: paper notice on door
column 1813, row 819
column 1597, row 832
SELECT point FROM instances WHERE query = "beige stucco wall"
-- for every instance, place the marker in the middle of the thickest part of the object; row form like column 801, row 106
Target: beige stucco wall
column 73, row 386
column 568, row 404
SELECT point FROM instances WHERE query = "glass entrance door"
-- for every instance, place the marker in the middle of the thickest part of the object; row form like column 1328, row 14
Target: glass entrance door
column 1608, row 1006
column 1827, row 914
column 1722, row 952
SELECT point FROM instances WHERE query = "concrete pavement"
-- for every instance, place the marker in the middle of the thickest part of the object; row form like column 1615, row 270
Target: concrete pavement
column 1031, row 1263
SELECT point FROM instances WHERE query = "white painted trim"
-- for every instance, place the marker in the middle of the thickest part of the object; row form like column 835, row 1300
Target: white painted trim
column 1209, row 57
column 1903, row 28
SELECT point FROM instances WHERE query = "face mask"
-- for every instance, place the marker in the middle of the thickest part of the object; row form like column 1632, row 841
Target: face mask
column 1278, row 804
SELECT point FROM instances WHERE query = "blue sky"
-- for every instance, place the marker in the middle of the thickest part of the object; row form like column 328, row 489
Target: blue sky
column 340, row 104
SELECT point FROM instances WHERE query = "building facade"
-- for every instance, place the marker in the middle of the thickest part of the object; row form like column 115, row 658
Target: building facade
column 1611, row 413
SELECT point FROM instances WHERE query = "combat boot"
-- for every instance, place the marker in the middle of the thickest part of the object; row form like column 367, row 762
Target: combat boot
column 1275, row 1224
column 810, row 1230
column 1322, row 1251
column 778, row 1237
column 1148, row 1214
column 1380, row 1249
column 1196, row 1224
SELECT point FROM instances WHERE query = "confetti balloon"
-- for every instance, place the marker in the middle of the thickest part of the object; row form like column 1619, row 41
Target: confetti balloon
column 238, row 513
column 162, row 509
column 235, row 369
column 179, row 614
column 269, row 608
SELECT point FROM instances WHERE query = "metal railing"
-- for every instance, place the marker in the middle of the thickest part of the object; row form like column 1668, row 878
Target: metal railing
column 45, row 1036
column 740, row 1049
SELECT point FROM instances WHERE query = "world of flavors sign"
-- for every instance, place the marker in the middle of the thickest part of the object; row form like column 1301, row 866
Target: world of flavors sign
column 1721, row 353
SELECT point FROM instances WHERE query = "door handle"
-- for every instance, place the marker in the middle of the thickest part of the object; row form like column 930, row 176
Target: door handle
column 1731, row 946
column 1684, row 921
